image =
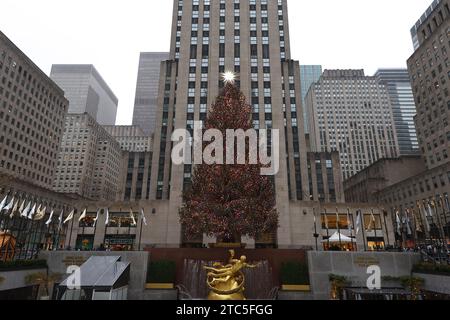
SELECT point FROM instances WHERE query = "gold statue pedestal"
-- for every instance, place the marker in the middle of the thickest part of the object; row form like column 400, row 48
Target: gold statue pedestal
column 230, row 290
column 226, row 283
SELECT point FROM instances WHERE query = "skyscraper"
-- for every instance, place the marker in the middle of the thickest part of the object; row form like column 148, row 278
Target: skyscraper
column 86, row 91
column 250, row 38
column 420, row 22
column 429, row 68
column 32, row 111
column 309, row 74
column 146, row 100
column 403, row 108
column 351, row 113
column 89, row 161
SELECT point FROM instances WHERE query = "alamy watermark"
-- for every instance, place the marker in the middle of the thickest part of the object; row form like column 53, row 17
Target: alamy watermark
column 74, row 279
column 374, row 280
column 242, row 147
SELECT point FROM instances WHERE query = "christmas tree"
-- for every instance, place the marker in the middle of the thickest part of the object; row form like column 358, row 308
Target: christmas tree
column 229, row 201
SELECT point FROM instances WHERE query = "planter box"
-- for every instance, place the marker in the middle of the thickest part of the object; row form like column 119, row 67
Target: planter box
column 299, row 288
column 159, row 286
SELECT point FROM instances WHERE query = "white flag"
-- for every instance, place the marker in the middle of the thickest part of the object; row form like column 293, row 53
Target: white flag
column 25, row 211
column 399, row 223
column 107, row 217
column 32, row 211
column 371, row 222
column 358, row 222
column 14, row 210
column 9, row 205
column 83, row 215
column 3, row 203
column 132, row 218
column 144, row 220
column 40, row 214
column 96, row 217
column 22, row 206
column 427, row 223
column 430, row 211
column 69, row 217
column 49, row 218
column 408, row 225
column 349, row 223
column 61, row 216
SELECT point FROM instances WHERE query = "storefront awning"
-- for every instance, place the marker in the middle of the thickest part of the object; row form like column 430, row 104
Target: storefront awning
column 339, row 238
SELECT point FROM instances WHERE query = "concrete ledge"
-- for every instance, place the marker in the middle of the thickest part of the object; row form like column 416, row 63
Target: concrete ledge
column 435, row 283
column 16, row 279
column 161, row 294
column 295, row 296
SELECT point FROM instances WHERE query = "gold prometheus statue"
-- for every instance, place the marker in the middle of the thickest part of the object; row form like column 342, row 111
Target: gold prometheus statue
column 227, row 282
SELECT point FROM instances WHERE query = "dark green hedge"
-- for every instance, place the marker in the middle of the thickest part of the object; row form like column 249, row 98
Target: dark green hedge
column 431, row 268
column 22, row 264
column 161, row 272
column 294, row 273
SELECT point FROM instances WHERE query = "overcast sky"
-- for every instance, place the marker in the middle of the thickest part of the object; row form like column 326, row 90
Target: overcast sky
column 110, row 34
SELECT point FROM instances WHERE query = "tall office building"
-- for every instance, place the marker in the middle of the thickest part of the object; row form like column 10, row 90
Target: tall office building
column 429, row 68
column 351, row 113
column 309, row 74
column 32, row 111
column 250, row 38
column 403, row 107
column 137, row 162
column 146, row 100
column 89, row 161
column 86, row 91
column 421, row 22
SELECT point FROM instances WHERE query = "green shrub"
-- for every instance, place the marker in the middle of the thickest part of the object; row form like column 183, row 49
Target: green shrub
column 161, row 272
column 430, row 268
column 22, row 264
column 294, row 273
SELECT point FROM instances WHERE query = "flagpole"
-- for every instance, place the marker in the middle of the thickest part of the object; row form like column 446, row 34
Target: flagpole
column 363, row 227
column 353, row 224
column 95, row 226
column 432, row 221
column 445, row 220
column 328, row 231
column 106, row 227
column 339, row 228
column 29, row 228
column 415, row 227
column 28, row 237
column 421, row 221
column 375, row 229
column 386, row 228
column 316, row 235
column 140, row 234
column 71, row 229
column 441, row 228
column 19, row 231
column 426, row 223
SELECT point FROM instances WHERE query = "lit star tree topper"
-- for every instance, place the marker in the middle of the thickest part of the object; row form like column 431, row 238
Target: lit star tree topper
column 229, row 77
